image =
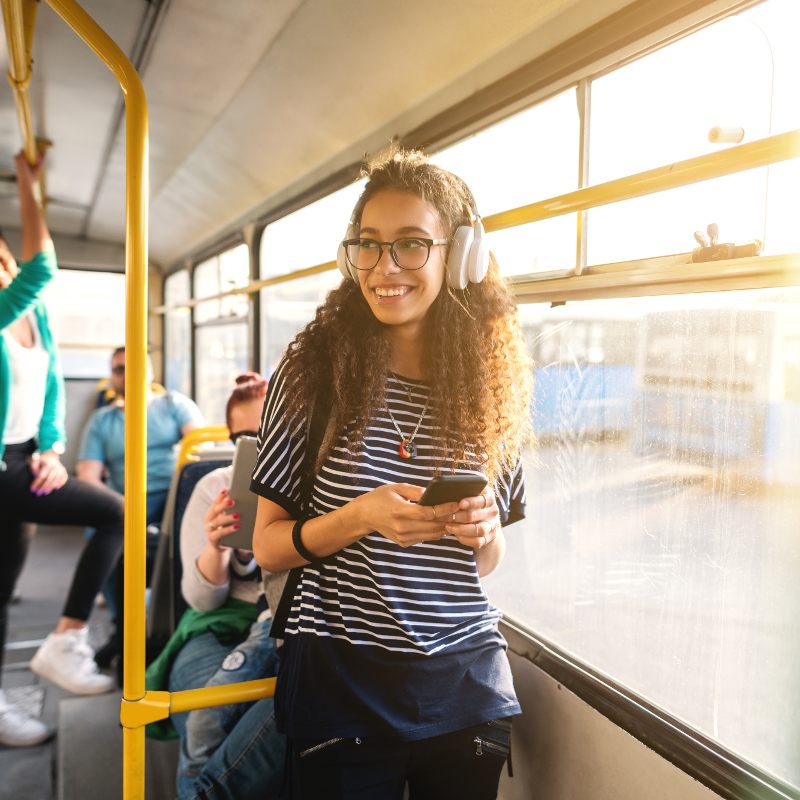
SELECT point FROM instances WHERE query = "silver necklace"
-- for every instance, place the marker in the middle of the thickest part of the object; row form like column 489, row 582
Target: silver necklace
column 407, row 448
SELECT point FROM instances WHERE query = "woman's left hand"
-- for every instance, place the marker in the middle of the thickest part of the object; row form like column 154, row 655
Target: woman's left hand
column 477, row 520
column 48, row 472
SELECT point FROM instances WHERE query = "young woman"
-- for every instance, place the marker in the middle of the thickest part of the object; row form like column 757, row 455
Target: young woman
column 34, row 485
column 394, row 672
column 233, row 750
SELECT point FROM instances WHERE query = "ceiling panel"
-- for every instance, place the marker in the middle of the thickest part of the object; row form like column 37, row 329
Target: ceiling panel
column 253, row 100
column 309, row 82
column 205, row 52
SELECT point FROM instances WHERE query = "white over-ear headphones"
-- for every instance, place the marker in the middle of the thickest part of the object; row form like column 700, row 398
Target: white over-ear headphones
column 341, row 259
column 467, row 261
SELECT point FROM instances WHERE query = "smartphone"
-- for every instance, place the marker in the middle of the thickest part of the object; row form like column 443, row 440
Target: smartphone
column 452, row 488
column 246, row 503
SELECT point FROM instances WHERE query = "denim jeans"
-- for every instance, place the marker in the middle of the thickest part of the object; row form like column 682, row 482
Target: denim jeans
column 231, row 751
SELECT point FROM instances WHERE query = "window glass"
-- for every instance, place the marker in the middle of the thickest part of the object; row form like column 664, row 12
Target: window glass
column 531, row 156
column 87, row 316
column 221, row 357
column 310, row 235
column 743, row 72
column 660, row 544
column 305, row 238
column 288, row 307
column 221, row 273
column 177, row 334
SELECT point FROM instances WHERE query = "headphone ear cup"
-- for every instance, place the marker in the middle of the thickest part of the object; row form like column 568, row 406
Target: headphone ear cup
column 458, row 257
column 478, row 259
column 341, row 259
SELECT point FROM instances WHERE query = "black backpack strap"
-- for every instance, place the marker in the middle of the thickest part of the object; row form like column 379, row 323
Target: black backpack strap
column 317, row 426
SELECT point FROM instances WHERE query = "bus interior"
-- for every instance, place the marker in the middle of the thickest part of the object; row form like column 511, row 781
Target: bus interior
column 636, row 166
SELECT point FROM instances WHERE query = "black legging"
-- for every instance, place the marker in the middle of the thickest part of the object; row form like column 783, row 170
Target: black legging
column 75, row 503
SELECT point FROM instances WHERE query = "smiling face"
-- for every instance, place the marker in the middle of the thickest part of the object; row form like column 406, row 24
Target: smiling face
column 401, row 298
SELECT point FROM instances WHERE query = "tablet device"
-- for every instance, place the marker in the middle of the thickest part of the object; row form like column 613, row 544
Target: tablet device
column 246, row 503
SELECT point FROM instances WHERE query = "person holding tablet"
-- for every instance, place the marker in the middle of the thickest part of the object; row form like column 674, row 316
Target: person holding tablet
column 232, row 750
column 393, row 671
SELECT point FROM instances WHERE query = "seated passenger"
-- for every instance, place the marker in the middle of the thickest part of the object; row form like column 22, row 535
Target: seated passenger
column 233, row 750
column 108, row 388
column 170, row 416
column 34, row 486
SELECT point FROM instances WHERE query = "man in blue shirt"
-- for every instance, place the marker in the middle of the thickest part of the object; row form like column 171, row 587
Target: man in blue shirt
column 170, row 416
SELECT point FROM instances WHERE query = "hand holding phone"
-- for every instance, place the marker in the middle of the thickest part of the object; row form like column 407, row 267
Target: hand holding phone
column 477, row 521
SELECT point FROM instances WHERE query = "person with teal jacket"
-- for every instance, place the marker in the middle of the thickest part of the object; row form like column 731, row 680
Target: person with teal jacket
column 34, row 485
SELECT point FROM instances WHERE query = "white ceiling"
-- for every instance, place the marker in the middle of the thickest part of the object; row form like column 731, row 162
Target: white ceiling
column 253, row 100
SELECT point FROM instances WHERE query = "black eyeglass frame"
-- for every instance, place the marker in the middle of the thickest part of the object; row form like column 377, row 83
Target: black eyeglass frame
column 392, row 252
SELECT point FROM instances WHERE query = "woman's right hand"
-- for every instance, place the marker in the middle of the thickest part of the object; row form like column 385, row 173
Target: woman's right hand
column 394, row 512
column 220, row 521
column 29, row 173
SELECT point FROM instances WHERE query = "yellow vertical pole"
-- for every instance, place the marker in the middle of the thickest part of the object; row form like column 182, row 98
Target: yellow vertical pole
column 136, row 354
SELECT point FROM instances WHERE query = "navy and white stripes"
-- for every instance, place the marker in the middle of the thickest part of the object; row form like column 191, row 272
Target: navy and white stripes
column 424, row 599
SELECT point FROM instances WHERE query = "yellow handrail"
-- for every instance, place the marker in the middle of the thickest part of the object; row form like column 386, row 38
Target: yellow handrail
column 136, row 354
column 193, row 439
column 246, row 692
column 19, row 17
column 762, row 152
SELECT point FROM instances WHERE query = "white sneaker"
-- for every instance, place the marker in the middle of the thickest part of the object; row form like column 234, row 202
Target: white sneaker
column 67, row 660
column 18, row 729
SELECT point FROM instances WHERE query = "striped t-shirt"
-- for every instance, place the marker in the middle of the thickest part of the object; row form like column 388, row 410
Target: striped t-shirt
column 375, row 609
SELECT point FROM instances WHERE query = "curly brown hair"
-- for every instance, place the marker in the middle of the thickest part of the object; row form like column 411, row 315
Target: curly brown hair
column 474, row 356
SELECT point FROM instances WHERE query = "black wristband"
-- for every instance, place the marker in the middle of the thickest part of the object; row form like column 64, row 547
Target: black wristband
column 298, row 542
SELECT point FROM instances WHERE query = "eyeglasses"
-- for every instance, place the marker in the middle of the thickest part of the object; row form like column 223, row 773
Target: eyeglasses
column 409, row 252
column 118, row 370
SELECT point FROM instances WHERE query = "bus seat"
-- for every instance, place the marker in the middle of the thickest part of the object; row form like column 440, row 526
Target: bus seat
column 166, row 602
column 191, row 444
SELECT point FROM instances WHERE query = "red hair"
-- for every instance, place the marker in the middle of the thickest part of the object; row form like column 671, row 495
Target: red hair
column 249, row 386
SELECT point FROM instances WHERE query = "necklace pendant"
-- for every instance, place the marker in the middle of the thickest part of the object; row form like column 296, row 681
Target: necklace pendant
column 407, row 449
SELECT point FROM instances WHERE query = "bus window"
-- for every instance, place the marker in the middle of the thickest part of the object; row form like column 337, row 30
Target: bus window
column 177, row 334
column 584, row 369
column 289, row 306
column 302, row 239
column 660, row 544
column 739, row 72
column 221, row 328
column 87, row 312
column 528, row 157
